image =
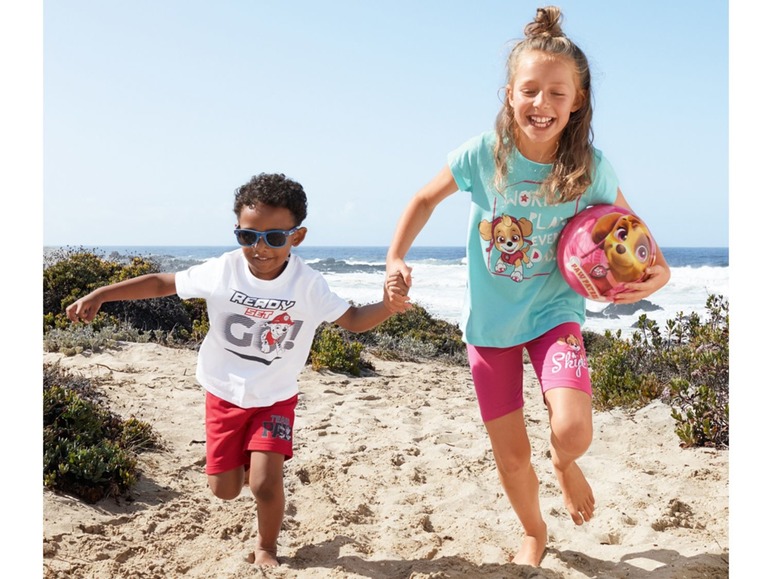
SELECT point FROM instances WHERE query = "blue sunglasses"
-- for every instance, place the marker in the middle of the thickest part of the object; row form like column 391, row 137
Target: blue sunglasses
column 275, row 238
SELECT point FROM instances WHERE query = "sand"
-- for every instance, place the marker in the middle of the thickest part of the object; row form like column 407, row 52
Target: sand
column 392, row 478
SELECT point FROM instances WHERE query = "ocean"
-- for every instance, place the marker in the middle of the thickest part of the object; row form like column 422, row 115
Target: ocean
column 439, row 278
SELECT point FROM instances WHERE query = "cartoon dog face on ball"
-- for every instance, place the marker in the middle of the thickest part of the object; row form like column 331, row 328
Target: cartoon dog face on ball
column 510, row 237
column 627, row 244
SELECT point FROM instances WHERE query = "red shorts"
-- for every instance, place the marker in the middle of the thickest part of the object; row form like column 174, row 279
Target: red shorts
column 233, row 432
column 558, row 358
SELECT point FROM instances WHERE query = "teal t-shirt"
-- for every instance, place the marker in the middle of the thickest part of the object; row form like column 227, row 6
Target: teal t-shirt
column 515, row 291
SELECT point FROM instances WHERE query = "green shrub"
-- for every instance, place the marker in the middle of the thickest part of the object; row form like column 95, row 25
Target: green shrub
column 595, row 343
column 332, row 350
column 87, row 450
column 688, row 368
column 700, row 393
column 418, row 324
column 623, row 373
column 415, row 334
column 77, row 338
column 71, row 273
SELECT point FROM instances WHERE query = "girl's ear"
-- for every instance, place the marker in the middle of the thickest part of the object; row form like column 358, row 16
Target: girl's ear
column 509, row 96
column 578, row 101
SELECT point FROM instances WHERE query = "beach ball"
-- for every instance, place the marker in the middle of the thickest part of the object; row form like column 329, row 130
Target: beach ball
column 602, row 247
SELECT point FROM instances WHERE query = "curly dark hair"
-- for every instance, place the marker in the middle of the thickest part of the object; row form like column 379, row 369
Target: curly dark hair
column 272, row 189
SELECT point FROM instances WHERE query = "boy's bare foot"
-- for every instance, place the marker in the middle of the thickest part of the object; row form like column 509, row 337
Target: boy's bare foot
column 577, row 494
column 532, row 549
column 265, row 557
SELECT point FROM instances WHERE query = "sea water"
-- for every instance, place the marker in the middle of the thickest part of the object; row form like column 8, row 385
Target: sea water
column 439, row 278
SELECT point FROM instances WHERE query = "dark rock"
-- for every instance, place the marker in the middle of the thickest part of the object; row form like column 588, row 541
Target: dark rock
column 614, row 311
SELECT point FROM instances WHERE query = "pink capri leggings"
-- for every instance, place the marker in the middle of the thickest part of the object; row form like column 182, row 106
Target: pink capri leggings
column 558, row 358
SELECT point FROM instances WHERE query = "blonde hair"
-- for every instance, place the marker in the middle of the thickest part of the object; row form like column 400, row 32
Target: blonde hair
column 572, row 169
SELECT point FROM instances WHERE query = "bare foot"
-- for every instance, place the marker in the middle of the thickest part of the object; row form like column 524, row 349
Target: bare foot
column 532, row 549
column 577, row 494
column 265, row 558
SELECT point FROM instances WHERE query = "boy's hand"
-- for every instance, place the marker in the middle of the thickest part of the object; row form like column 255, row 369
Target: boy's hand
column 395, row 296
column 83, row 310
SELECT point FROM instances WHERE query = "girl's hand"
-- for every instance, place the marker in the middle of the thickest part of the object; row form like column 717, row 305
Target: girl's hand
column 397, row 286
column 657, row 277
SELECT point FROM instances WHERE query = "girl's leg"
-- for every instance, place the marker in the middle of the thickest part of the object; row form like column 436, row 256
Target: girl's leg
column 560, row 363
column 570, row 412
column 266, row 481
column 512, row 452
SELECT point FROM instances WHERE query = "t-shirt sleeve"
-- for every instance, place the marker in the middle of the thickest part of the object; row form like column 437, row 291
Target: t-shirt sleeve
column 605, row 183
column 330, row 306
column 463, row 162
column 199, row 281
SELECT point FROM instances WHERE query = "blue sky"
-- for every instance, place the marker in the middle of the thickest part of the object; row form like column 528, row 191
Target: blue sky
column 154, row 112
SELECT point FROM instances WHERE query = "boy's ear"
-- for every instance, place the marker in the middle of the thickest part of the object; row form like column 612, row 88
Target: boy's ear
column 299, row 236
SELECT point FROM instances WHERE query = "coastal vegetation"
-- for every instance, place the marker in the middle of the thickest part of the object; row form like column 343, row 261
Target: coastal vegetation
column 88, row 450
column 685, row 365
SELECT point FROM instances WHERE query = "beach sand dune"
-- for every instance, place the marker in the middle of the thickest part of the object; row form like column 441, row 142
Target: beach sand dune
column 392, row 478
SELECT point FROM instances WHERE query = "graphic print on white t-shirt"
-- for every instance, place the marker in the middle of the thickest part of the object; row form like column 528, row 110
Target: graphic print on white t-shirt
column 264, row 326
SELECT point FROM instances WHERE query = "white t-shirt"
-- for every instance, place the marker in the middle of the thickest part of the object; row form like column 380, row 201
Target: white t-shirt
column 260, row 332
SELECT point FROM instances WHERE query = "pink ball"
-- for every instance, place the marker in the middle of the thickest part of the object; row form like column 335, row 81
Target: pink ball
column 601, row 248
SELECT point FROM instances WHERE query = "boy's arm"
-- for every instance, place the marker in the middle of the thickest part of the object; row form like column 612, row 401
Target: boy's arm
column 363, row 318
column 151, row 285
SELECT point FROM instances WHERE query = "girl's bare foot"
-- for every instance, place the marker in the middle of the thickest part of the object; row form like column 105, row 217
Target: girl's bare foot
column 265, row 557
column 532, row 549
column 577, row 494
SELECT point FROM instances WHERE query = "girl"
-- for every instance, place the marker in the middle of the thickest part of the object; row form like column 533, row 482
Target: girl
column 530, row 175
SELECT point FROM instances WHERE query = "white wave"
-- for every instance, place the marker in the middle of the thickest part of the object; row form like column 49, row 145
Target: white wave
column 440, row 289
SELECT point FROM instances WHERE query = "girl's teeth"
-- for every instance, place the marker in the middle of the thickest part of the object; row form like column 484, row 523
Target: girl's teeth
column 541, row 120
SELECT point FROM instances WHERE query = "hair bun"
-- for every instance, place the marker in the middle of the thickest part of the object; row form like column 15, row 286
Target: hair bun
column 546, row 23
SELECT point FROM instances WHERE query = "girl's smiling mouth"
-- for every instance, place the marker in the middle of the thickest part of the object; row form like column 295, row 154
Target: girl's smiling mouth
column 541, row 122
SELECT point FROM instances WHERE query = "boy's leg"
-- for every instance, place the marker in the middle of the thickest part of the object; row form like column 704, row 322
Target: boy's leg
column 266, row 481
column 570, row 413
column 225, row 456
column 269, row 443
column 512, row 452
column 227, row 485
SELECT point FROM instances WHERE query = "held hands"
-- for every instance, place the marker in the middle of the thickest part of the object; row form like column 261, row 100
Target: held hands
column 396, row 287
column 657, row 277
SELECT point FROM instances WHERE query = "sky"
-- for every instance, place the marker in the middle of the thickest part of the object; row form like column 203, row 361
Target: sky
column 155, row 112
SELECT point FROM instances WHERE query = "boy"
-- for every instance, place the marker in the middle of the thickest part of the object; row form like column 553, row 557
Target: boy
column 264, row 305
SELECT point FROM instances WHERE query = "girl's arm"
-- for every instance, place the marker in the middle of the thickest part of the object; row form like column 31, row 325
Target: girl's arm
column 151, row 285
column 410, row 224
column 657, row 274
